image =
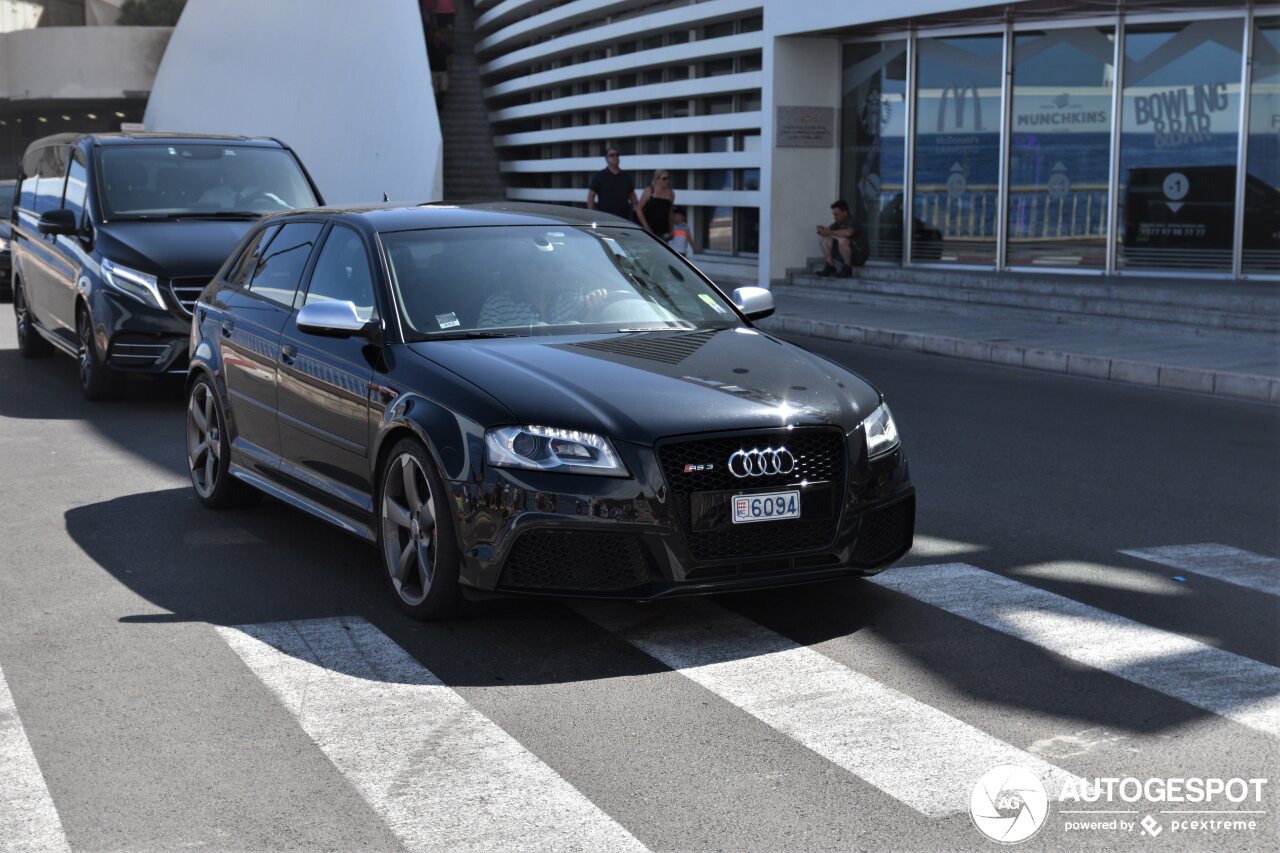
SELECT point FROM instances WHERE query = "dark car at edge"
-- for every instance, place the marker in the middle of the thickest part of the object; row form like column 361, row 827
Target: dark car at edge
column 531, row 400
column 115, row 235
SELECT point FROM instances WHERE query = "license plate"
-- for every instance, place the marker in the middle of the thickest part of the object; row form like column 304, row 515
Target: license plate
column 770, row 506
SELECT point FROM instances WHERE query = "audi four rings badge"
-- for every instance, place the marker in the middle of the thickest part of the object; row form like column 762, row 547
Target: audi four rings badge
column 761, row 463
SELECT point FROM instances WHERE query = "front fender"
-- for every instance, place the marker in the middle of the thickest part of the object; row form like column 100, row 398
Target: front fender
column 455, row 443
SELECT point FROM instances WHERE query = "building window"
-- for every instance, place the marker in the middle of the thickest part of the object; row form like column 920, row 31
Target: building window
column 1060, row 148
column 957, row 153
column 717, row 228
column 747, row 230
column 1178, row 145
column 1262, row 181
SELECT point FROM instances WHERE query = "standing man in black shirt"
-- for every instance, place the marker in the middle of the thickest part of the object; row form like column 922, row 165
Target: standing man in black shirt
column 611, row 190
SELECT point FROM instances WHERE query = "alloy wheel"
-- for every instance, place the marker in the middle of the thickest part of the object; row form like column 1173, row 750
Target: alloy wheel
column 84, row 354
column 408, row 528
column 22, row 316
column 204, row 439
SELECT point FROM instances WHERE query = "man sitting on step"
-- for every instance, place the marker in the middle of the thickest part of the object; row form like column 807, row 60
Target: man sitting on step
column 841, row 234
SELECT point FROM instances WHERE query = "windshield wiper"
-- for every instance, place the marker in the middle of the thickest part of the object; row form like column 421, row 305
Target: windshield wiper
column 214, row 214
column 461, row 336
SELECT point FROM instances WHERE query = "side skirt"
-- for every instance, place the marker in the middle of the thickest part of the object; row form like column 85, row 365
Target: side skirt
column 355, row 528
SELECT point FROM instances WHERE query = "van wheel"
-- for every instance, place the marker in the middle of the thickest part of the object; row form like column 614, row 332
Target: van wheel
column 30, row 344
column 96, row 380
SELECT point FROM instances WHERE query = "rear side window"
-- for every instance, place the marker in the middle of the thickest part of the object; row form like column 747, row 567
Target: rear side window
column 248, row 260
column 52, row 172
column 342, row 273
column 277, row 274
column 28, row 182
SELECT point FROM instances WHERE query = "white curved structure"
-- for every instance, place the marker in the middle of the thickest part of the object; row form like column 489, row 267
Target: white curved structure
column 323, row 76
column 675, row 86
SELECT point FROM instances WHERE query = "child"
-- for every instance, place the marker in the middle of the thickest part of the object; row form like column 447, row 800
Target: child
column 681, row 237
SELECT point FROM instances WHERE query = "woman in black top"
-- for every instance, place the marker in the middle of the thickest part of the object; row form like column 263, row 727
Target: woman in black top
column 654, row 210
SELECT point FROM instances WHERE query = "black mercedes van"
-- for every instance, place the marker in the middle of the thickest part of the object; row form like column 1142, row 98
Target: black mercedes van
column 115, row 235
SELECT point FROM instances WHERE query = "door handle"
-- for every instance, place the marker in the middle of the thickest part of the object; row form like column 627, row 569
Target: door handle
column 227, row 327
column 288, row 353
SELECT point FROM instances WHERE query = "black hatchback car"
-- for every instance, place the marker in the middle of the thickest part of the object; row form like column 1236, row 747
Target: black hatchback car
column 526, row 399
column 115, row 235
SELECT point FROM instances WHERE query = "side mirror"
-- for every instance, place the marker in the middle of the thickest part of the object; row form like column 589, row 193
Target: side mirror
column 330, row 319
column 755, row 302
column 61, row 221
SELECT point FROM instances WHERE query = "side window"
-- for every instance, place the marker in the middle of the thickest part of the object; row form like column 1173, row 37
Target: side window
column 52, row 171
column 29, row 179
column 342, row 273
column 77, row 185
column 278, row 272
column 244, row 265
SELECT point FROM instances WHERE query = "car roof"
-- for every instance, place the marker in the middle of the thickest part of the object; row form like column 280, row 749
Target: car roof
column 393, row 216
column 130, row 137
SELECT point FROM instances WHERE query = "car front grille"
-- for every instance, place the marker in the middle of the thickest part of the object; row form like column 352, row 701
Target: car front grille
column 186, row 291
column 572, row 560
column 819, row 455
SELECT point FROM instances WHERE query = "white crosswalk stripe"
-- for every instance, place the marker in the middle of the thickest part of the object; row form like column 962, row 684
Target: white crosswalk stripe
column 1236, row 687
column 1220, row 562
column 912, row 751
column 440, row 774
column 28, row 819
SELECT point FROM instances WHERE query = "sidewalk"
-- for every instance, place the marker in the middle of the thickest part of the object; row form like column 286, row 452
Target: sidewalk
column 1244, row 369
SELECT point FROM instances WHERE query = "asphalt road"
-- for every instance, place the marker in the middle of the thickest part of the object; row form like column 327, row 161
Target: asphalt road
column 174, row 677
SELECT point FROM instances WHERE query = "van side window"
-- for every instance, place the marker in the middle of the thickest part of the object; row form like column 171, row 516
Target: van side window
column 29, row 178
column 77, row 185
column 278, row 273
column 52, row 173
column 244, row 265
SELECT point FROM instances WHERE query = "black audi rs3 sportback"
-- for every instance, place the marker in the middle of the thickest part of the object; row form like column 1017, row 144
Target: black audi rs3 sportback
column 533, row 400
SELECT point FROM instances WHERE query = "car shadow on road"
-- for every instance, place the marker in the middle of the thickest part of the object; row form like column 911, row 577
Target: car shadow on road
column 273, row 564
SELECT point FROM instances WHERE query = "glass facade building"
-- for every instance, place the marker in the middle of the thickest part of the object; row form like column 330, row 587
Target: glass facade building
column 1138, row 144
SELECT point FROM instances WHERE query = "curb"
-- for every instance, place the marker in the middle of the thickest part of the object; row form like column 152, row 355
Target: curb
column 1239, row 386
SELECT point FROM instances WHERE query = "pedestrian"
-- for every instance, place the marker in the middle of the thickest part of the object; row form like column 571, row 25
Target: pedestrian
column 611, row 190
column 438, row 51
column 654, row 211
column 681, row 235
column 443, row 11
column 842, row 236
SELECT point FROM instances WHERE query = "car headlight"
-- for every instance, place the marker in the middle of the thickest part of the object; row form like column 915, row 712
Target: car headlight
column 132, row 283
column 882, row 432
column 550, row 449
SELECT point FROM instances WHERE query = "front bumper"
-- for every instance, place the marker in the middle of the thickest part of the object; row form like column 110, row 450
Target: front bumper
column 139, row 339
column 540, row 534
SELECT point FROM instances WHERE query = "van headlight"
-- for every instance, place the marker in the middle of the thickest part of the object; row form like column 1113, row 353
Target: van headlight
column 882, row 432
column 132, row 283
column 550, row 449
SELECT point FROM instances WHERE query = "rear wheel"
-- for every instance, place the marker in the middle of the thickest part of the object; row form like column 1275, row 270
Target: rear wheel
column 419, row 550
column 96, row 379
column 209, row 451
column 30, row 344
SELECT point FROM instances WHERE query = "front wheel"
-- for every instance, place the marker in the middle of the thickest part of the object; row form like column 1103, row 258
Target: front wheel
column 416, row 540
column 96, row 379
column 209, row 451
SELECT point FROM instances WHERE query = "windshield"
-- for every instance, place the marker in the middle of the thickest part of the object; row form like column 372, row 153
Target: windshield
column 493, row 281
column 164, row 181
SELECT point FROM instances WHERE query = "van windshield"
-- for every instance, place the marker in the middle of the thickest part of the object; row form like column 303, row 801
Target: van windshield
column 165, row 181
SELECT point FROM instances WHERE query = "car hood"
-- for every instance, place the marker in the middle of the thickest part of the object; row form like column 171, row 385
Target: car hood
column 640, row 387
column 181, row 249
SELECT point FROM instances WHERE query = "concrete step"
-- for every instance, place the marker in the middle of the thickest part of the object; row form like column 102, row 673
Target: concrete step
column 1244, row 298
column 1098, row 314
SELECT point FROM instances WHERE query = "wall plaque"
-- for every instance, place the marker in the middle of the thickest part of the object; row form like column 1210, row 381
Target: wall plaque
column 806, row 127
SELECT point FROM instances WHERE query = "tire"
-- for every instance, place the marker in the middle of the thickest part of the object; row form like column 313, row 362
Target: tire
column 209, row 451
column 417, row 543
column 30, row 343
column 96, row 380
